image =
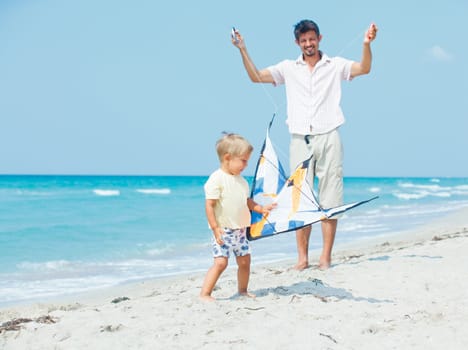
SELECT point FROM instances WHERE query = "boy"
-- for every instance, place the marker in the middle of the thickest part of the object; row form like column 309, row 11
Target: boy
column 227, row 210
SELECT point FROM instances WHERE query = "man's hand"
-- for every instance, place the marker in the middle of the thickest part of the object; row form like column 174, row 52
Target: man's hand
column 237, row 39
column 371, row 33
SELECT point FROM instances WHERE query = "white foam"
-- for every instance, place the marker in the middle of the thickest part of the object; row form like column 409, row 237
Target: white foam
column 374, row 189
column 442, row 194
column 33, row 193
column 409, row 196
column 360, row 227
column 461, row 190
column 418, row 191
column 52, row 265
column 422, row 187
column 106, row 192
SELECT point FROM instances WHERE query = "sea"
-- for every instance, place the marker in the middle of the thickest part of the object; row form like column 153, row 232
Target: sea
column 62, row 235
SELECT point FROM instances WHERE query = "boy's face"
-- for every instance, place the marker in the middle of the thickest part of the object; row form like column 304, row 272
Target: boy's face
column 235, row 165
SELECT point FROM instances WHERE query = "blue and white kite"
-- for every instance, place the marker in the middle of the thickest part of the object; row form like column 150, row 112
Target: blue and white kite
column 296, row 204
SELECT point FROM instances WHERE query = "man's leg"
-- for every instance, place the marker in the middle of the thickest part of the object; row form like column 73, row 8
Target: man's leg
column 300, row 149
column 328, row 235
column 329, row 171
column 302, row 240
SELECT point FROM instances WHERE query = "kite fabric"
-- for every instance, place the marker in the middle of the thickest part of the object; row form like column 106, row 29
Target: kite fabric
column 296, row 204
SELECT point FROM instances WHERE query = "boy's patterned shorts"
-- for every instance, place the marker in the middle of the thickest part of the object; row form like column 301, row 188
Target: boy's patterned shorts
column 235, row 241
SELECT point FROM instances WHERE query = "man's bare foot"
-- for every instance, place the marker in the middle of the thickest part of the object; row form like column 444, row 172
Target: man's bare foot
column 247, row 294
column 207, row 298
column 301, row 266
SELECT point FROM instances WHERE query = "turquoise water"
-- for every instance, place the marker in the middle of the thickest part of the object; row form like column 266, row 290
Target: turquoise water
column 68, row 234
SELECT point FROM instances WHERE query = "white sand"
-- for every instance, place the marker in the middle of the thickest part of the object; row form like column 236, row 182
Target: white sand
column 405, row 292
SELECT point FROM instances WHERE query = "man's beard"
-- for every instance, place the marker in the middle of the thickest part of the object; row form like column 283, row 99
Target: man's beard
column 310, row 51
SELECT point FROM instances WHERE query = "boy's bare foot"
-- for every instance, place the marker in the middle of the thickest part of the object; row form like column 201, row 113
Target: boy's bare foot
column 247, row 294
column 207, row 298
column 301, row 266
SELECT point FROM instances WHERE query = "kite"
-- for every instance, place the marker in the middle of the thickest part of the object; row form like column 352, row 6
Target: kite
column 296, row 204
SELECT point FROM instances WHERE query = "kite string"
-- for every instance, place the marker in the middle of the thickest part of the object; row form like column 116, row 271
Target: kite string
column 286, row 178
column 269, row 95
column 350, row 43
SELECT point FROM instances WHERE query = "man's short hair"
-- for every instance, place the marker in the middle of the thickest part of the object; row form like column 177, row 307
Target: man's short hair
column 305, row 26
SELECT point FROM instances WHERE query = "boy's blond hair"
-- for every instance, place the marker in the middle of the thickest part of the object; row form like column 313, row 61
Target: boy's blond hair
column 232, row 144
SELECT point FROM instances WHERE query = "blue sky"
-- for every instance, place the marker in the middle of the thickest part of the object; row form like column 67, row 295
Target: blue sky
column 146, row 87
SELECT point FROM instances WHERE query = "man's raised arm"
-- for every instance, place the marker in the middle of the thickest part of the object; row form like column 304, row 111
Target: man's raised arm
column 255, row 75
column 364, row 67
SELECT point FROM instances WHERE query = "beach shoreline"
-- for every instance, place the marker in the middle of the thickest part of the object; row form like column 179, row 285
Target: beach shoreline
column 403, row 291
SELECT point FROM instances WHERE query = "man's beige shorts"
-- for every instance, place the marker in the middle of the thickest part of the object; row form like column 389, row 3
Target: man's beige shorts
column 327, row 164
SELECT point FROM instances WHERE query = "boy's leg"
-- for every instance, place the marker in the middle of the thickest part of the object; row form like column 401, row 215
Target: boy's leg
column 219, row 265
column 243, row 274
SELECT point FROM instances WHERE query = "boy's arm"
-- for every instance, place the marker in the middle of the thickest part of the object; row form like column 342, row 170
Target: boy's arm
column 253, row 206
column 255, row 75
column 210, row 205
column 364, row 67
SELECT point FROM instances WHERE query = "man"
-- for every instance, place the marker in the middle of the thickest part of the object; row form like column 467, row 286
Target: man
column 313, row 91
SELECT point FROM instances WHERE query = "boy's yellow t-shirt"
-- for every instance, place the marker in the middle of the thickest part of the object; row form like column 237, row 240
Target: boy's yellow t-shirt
column 231, row 193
